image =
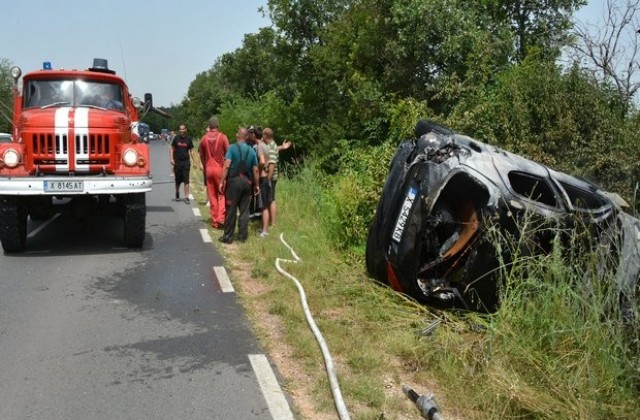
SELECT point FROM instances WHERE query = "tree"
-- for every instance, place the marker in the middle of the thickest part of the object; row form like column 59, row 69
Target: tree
column 6, row 96
column 609, row 50
column 304, row 22
column 544, row 24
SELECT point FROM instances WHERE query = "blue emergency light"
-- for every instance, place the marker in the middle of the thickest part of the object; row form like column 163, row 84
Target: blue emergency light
column 46, row 65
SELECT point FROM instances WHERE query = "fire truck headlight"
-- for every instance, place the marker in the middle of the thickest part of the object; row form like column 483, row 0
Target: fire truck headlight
column 130, row 157
column 11, row 158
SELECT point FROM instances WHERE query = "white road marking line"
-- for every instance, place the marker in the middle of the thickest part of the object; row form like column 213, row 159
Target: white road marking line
column 206, row 238
column 196, row 212
column 223, row 279
column 42, row 226
column 273, row 395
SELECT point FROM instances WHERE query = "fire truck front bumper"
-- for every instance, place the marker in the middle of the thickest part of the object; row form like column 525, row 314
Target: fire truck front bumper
column 77, row 185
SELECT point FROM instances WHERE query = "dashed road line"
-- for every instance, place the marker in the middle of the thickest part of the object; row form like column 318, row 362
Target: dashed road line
column 223, row 279
column 273, row 395
column 196, row 212
column 206, row 238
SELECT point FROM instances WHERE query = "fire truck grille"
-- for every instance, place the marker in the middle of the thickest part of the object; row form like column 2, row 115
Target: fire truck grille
column 49, row 149
column 53, row 149
column 93, row 148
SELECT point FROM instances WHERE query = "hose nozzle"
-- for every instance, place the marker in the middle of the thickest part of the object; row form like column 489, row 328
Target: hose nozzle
column 425, row 403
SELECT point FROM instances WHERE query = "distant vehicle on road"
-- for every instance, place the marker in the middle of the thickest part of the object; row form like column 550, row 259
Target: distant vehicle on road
column 143, row 132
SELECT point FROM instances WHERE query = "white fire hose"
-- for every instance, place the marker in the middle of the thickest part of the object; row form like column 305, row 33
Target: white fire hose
column 333, row 380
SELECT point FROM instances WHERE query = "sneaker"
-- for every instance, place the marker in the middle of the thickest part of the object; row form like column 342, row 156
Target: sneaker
column 186, row 200
column 177, row 199
column 225, row 240
column 263, row 234
column 208, row 204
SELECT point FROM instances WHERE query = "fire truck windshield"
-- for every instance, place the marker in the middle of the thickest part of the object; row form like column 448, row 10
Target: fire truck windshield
column 72, row 92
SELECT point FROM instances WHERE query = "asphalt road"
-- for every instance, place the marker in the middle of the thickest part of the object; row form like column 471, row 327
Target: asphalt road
column 91, row 330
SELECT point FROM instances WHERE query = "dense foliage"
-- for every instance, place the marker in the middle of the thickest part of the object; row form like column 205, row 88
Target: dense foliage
column 346, row 80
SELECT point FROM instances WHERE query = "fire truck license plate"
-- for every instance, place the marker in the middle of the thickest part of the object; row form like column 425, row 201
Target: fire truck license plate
column 63, row 186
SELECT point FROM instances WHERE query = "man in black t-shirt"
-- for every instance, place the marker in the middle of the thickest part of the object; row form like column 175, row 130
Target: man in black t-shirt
column 181, row 156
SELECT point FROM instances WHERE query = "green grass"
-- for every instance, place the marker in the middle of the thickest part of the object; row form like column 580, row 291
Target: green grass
column 553, row 350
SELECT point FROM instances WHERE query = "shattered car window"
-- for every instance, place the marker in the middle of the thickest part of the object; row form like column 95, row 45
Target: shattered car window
column 532, row 187
column 582, row 199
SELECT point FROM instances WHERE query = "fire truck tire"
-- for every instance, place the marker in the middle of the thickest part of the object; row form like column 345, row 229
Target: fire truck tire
column 41, row 209
column 135, row 215
column 13, row 224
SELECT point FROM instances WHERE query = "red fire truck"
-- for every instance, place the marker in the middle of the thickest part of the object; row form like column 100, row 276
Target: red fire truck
column 75, row 148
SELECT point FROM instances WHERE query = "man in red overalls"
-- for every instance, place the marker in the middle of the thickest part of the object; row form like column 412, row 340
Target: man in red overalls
column 212, row 149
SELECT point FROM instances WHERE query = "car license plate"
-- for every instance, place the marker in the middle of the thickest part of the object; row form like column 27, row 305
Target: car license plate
column 404, row 214
column 63, row 186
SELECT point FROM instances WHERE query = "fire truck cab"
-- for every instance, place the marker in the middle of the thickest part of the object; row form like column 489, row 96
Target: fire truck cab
column 75, row 148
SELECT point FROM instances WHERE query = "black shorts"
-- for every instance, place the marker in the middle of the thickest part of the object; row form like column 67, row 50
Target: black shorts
column 265, row 193
column 181, row 172
column 273, row 190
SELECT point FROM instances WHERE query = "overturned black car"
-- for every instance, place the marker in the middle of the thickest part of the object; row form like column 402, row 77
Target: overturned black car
column 443, row 194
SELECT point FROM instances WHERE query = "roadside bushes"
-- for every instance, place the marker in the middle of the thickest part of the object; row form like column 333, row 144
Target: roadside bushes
column 352, row 180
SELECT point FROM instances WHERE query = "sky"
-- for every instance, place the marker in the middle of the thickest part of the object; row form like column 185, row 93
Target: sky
column 592, row 13
column 157, row 46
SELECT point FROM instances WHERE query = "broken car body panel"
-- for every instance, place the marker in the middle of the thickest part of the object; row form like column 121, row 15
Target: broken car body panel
column 445, row 191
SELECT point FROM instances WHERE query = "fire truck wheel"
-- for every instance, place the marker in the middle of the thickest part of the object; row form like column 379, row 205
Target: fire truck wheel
column 41, row 209
column 135, row 214
column 13, row 224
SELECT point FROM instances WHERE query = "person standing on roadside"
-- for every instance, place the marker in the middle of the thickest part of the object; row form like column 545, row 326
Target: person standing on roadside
column 213, row 148
column 272, row 170
column 180, row 157
column 255, row 207
column 239, row 178
column 263, row 199
column 204, row 173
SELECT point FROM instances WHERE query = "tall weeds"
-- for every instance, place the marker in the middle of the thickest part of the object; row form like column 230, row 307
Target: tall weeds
column 558, row 347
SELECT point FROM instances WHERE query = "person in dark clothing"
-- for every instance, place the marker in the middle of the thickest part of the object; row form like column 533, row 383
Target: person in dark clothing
column 181, row 156
column 239, row 178
column 255, row 136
